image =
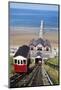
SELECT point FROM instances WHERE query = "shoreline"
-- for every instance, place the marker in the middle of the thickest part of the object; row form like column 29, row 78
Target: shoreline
column 19, row 37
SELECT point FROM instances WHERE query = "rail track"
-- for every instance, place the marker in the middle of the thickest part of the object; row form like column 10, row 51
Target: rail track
column 46, row 78
column 37, row 80
column 37, row 77
column 28, row 78
column 15, row 79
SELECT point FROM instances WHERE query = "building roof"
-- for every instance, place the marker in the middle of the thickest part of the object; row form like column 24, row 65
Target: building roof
column 47, row 43
column 22, row 51
column 40, row 41
column 36, row 42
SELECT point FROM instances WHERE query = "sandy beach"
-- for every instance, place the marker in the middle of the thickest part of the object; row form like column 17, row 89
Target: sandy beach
column 19, row 37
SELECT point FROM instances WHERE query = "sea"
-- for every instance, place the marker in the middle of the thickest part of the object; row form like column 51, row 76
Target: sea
column 32, row 18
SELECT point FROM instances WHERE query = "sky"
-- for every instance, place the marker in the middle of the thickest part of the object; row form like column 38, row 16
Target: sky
column 34, row 6
column 30, row 15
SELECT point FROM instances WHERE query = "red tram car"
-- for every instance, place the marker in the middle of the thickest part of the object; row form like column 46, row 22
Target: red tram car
column 21, row 59
column 20, row 64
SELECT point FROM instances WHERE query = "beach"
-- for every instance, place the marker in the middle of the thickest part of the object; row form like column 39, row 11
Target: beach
column 21, row 36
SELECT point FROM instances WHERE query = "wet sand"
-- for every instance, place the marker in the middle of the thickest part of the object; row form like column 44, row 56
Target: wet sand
column 18, row 38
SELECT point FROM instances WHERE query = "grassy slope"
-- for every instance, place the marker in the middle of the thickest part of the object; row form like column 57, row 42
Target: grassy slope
column 11, row 71
column 53, row 73
column 53, row 61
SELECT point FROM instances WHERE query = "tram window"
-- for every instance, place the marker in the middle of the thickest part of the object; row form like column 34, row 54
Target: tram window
column 21, row 61
column 15, row 61
column 24, row 61
column 18, row 62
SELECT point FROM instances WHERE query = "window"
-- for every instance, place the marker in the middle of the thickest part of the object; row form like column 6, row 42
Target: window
column 31, row 48
column 21, row 61
column 24, row 61
column 18, row 62
column 39, row 49
column 15, row 61
column 47, row 49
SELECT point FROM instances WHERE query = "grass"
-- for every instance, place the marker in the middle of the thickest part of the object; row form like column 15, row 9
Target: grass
column 52, row 72
column 11, row 69
column 53, row 61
